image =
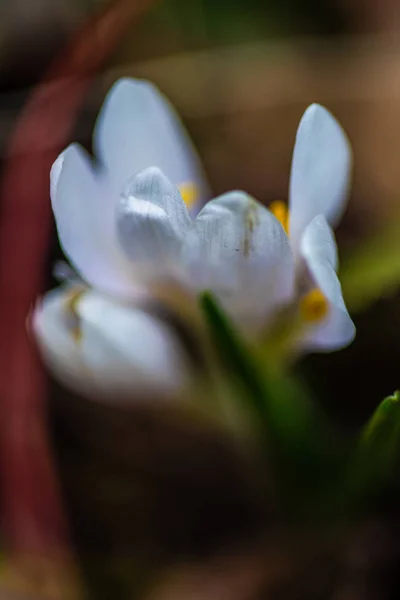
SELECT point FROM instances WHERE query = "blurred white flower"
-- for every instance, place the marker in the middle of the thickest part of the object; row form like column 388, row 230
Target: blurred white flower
column 119, row 349
column 102, row 348
column 136, row 129
column 125, row 227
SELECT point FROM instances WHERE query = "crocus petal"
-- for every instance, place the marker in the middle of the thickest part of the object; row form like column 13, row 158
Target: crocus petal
column 319, row 240
column 85, row 220
column 152, row 220
column 111, row 350
column 337, row 329
column 138, row 128
column 320, row 171
column 240, row 251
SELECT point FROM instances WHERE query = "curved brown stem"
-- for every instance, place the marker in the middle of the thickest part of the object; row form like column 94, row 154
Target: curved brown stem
column 33, row 518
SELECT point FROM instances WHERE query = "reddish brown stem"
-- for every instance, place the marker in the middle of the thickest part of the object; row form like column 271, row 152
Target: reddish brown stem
column 34, row 520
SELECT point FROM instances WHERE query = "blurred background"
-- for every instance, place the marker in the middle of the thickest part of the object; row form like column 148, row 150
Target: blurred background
column 240, row 73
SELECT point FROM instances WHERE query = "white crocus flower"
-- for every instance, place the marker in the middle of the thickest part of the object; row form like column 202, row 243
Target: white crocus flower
column 256, row 260
column 126, row 232
column 136, row 129
column 242, row 252
column 96, row 345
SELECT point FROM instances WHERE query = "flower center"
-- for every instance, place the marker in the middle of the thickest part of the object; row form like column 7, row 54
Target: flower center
column 189, row 192
column 313, row 306
column 281, row 212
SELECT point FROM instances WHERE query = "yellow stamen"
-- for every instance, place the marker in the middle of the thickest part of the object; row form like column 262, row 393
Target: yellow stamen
column 280, row 211
column 190, row 193
column 71, row 308
column 313, row 306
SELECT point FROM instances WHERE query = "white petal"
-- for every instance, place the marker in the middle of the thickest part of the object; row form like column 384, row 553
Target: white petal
column 320, row 174
column 319, row 240
column 138, row 128
column 121, row 350
column 152, row 220
column 85, row 218
column 150, row 214
column 136, row 349
column 337, row 329
column 240, row 251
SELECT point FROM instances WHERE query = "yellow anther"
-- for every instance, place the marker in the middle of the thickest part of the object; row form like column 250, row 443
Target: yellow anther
column 71, row 307
column 280, row 211
column 190, row 193
column 313, row 306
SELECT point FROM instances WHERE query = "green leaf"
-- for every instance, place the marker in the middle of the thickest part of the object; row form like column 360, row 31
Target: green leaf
column 373, row 269
column 377, row 449
column 235, row 354
column 278, row 402
column 295, row 433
